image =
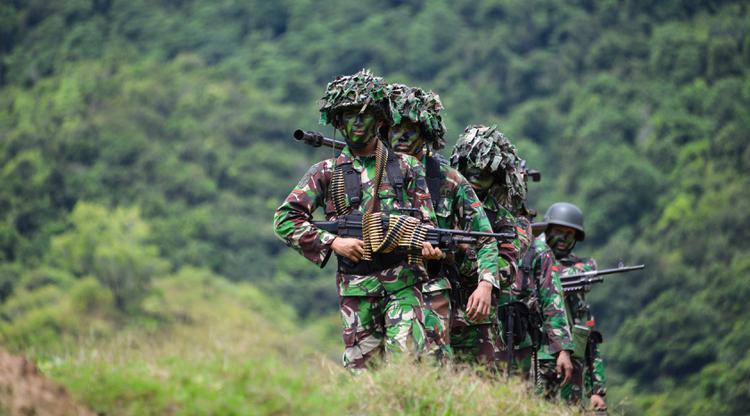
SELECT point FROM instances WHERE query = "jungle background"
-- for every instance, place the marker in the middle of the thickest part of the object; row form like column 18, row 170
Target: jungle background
column 145, row 144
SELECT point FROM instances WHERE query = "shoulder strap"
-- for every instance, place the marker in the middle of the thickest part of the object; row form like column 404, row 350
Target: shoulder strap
column 395, row 176
column 345, row 184
column 527, row 266
column 435, row 179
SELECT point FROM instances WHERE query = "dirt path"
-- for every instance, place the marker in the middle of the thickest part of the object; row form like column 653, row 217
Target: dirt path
column 24, row 391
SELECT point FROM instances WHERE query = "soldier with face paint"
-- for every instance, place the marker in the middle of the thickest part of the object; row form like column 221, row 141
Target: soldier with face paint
column 490, row 162
column 418, row 130
column 380, row 299
column 474, row 156
column 564, row 229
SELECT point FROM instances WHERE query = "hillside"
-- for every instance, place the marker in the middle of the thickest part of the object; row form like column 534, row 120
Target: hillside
column 180, row 112
column 225, row 348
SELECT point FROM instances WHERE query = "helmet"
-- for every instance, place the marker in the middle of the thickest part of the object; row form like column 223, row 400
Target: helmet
column 485, row 147
column 567, row 215
column 421, row 107
column 361, row 90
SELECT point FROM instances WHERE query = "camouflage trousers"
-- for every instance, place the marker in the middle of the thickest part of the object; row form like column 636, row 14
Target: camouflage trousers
column 437, row 317
column 374, row 325
column 551, row 387
column 474, row 342
column 572, row 392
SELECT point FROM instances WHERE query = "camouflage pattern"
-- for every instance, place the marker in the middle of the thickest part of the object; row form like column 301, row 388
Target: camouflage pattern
column 359, row 90
column 592, row 380
column 487, row 148
column 292, row 224
column 423, row 108
column 476, row 343
column 556, row 329
column 377, row 324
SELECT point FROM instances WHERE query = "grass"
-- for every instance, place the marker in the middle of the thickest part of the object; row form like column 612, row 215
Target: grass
column 234, row 351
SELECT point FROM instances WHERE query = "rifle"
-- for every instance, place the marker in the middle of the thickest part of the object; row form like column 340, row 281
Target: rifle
column 443, row 238
column 581, row 281
column 316, row 139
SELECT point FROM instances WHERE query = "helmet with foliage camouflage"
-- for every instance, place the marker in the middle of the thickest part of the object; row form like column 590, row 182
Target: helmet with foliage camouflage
column 362, row 90
column 483, row 147
column 412, row 103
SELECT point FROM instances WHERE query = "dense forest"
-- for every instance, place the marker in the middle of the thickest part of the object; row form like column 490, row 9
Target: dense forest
column 143, row 139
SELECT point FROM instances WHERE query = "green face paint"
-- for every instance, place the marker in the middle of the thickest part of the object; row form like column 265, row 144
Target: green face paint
column 406, row 137
column 561, row 239
column 358, row 127
column 480, row 179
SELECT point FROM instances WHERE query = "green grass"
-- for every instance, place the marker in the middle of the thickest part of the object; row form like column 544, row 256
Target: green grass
column 227, row 349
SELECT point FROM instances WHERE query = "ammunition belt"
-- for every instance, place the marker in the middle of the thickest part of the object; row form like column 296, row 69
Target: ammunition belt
column 403, row 232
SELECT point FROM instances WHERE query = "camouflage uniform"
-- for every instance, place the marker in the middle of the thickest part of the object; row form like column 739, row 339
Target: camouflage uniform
column 456, row 206
column 589, row 377
column 482, row 147
column 381, row 311
column 556, row 336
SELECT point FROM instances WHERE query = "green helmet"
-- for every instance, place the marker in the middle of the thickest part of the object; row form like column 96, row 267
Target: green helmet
column 359, row 90
column 485, row 147
column 421, row 107
column 567, row 215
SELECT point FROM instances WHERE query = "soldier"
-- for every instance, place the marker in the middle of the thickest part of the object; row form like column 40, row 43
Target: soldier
column 492, row 165
column 565, row 228
column 478, row 156
column 418, row 130
column 380, row 299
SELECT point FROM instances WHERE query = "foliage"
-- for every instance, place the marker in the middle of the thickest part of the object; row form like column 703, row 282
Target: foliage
column 181, row 111
column 210, row 362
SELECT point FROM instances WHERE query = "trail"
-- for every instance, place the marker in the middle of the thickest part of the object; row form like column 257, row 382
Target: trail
column 25, row 391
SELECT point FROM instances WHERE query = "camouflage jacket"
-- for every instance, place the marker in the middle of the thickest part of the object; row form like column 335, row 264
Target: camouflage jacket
column 501, row 221
column 459, row 207
column 292, row 220
column 544, row 271
column 579, row 313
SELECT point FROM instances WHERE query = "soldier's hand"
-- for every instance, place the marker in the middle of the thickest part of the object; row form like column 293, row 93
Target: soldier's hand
column 351, row 248
column 431, row 253
column 478, row 306
column 597, row 402
column 564, row 366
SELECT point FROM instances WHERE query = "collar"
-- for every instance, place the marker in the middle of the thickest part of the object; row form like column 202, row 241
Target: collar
column 357, row 162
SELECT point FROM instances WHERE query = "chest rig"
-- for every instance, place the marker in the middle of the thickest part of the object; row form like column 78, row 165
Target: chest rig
column 346, row 193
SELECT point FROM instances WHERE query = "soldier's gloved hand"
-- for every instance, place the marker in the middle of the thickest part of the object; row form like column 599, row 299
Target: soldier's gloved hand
column 564, row 366
column 429, row 252
column 597, row 402
column 478, row 306
column 351, row 248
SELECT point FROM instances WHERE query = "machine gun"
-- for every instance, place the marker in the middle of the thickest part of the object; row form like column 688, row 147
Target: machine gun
column 316, row 139
column 582, row 281
column 535, row 176
column 446, row 239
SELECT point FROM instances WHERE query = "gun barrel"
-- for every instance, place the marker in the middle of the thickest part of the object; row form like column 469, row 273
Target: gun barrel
column 316, row 139
column 473, row 233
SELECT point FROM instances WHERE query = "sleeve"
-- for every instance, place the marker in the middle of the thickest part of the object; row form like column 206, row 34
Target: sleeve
column 553, row 306
column 507, row 268
column 292, row 219
column 467, row 206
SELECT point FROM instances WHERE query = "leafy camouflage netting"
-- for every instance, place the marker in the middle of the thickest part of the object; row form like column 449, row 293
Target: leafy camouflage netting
column 421, row 107
column 487, row 148
column 361, row 89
